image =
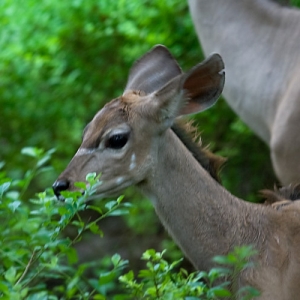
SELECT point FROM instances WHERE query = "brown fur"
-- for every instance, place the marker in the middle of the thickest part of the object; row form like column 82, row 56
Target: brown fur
column 281, row 197
column 259, row 42
column 189, row 136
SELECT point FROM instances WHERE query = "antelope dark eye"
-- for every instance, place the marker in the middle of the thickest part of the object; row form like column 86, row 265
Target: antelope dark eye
column 117, row 141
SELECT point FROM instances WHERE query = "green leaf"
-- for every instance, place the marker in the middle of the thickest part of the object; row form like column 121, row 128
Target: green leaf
column 32, row 151
column 175, row 263
column 127, row 277
column 14, row 205
column 222, row 260
column 3, row 287
column 72, row 255
column 116, row 258
column 109, row 205
column 71, row 287
column 54, row 261
column 4, row 187
column 24, row 293
column 81, row 185
column 91, row 177
column 148, row 254
column 94, row 228
column 118, row 212
column 119, row 200
column 107, row 277
column 145, row 274
column 43, row 160
column 10, row 275
column 220, row 292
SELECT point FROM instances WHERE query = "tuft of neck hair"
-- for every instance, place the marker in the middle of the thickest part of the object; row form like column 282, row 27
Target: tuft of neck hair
column 189, row 136
column 281, row 197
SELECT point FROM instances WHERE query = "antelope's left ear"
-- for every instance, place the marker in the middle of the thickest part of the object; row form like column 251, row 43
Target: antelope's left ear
column 192, row 92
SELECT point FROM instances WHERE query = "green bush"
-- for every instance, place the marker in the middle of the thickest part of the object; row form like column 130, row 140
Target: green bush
column 34, row 252
column 38, row 261
column 160, row 281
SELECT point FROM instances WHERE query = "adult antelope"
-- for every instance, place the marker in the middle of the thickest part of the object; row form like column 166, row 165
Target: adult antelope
column 135, row 140
column 259, row 41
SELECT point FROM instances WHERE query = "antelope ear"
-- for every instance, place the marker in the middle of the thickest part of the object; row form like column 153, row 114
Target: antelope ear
column 194, row 91
column 203, row 85
column 153, row 70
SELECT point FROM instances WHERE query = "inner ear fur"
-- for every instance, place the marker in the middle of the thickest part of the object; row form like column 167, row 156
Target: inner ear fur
column 153, row 70
column 194, row 91
column 203, row 84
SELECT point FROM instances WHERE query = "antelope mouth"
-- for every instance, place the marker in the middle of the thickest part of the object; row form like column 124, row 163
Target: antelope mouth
column 101, row 190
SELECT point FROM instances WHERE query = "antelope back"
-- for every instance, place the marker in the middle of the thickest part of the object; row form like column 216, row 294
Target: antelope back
column 121, row 140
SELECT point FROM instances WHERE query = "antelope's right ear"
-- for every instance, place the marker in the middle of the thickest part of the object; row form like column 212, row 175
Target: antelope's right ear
column 203, row 85
column 191, row 92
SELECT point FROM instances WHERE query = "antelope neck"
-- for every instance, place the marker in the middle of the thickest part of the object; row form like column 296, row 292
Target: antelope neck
column 201, row 216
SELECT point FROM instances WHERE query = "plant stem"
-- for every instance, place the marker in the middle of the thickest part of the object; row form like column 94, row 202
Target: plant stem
column 26, row 268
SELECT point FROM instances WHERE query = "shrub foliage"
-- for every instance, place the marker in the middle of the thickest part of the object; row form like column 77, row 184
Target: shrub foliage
column 39, row 262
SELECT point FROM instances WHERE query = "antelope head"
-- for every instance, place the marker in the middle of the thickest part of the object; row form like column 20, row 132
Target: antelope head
column 121, row 142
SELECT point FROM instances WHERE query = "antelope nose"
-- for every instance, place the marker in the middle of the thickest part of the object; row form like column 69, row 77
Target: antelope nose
column 59, row 186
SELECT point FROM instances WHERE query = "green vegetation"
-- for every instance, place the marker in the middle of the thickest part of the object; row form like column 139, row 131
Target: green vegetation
column 39, row 262
column 60, row 61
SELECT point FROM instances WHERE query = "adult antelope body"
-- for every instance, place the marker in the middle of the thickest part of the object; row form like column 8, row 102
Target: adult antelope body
column 135, row 140
column 259, row 41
